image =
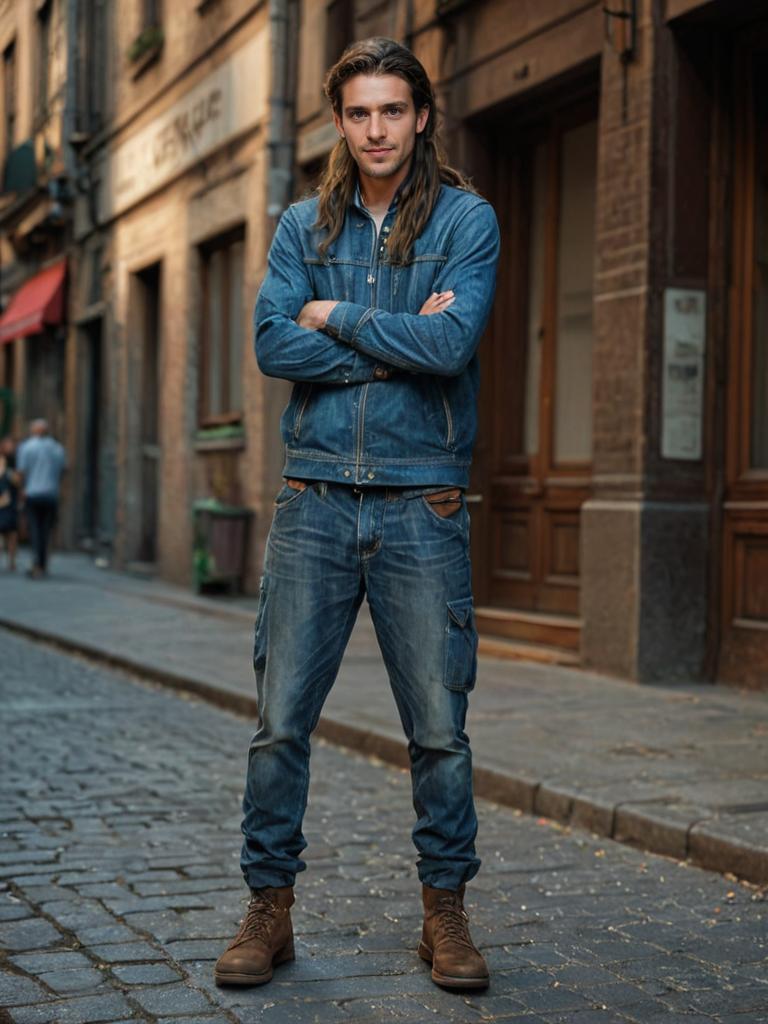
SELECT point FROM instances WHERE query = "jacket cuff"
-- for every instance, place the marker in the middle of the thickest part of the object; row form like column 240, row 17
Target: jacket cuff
column 346, row 319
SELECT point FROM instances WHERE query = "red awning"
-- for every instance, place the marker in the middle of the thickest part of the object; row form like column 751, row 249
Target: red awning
column 38, row 302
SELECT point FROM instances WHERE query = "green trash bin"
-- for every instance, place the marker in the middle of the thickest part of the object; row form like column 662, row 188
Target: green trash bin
column 220, row 545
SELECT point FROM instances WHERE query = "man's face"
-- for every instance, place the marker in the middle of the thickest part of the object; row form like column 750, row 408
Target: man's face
column 380, row 123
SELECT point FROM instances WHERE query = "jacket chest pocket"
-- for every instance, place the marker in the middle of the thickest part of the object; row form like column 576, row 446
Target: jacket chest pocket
column 336, row 278
column 411, row 285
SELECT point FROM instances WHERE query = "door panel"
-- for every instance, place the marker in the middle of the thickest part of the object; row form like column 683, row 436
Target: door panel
column 744, row 647
column 536, row 437
column 576, row 252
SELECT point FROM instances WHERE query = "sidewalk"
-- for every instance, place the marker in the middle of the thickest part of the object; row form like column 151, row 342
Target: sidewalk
column 679, row 770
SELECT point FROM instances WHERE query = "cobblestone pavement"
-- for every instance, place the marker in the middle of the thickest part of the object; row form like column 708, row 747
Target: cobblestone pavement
column 680, row 769
column 119, row 817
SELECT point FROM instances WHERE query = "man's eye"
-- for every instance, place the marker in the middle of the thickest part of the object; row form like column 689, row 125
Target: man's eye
column 357, row 115
column 394, row 111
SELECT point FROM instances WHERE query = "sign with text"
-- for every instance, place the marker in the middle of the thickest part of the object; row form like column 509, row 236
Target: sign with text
column 682, row 396
column 225, row 103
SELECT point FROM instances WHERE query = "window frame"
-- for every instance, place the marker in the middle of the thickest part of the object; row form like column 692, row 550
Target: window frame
column 10, row 110
column 223, row 243
column 43, row 27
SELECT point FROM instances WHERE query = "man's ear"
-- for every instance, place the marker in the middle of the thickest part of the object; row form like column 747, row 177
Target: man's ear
column 421, row 119
column 339, row 126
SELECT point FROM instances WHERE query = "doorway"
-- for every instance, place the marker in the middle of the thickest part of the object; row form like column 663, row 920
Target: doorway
column 92, row 439
column 533, row 472
column 744, row 639
column 148, row 286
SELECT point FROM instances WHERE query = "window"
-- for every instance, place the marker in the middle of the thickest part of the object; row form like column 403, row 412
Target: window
column 153, row 14
column 221, row 394
column 9, row 92
column 93, row 44
column 339, row 29
column 43, row 60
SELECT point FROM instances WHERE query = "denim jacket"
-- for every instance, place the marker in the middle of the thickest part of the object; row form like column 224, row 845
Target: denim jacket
column 382, row 396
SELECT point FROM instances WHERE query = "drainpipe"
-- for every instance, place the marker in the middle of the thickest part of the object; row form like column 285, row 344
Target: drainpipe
column 283, row 23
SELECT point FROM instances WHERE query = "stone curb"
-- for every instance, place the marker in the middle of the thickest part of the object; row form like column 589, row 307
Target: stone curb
column 625, row 822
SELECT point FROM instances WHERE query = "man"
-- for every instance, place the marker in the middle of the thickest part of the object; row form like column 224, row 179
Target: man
column 41, row 462
column 376, row 295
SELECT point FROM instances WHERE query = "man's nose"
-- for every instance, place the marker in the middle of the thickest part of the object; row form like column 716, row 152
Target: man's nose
column 377, row 128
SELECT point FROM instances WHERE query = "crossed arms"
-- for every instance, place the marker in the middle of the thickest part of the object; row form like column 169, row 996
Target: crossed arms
column 299, row 338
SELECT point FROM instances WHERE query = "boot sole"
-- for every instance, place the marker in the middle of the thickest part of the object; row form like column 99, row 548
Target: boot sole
column 447, row 980
column 239, row 978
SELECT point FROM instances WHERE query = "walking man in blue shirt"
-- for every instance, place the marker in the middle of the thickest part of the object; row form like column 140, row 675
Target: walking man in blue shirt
column 377, row 292
column 41, row 462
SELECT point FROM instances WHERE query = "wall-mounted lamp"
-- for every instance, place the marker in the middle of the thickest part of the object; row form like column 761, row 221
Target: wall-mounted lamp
column 621, row 28
column 621, row 34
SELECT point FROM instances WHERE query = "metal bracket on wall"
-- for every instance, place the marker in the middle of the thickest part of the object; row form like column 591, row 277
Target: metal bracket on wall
column 621, row 33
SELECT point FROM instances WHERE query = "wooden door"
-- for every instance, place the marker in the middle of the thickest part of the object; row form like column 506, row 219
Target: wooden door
column 534, row 462
column 744, row 642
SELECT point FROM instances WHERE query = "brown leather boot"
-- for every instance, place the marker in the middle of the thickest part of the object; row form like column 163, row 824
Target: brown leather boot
column 265, row 939
column 446, row 942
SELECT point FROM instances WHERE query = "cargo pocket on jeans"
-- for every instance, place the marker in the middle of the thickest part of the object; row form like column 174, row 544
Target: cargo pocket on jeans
column 260, row 631
column 460, row 646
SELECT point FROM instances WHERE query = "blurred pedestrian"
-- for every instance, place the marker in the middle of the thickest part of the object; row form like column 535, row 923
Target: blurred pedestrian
column 376, row 296
column 9, row 500
column 41, row 461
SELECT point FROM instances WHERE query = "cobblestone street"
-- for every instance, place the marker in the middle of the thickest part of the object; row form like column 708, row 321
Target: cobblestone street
column 120, row 884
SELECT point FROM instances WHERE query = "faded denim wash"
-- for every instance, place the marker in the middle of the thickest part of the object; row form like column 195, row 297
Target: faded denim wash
column 329, row 547
column 343, row 422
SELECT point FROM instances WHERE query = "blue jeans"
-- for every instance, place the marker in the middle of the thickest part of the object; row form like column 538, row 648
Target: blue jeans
column 329, row 546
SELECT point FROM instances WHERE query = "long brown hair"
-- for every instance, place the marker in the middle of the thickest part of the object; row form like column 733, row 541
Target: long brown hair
column 418, row 195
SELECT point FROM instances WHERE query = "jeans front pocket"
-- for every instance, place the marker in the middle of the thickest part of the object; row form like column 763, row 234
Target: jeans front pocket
column 460, row 646
column 287, row 495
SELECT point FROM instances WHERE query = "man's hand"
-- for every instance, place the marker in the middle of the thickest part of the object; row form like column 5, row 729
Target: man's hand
column 314, row 315
column 437, row 303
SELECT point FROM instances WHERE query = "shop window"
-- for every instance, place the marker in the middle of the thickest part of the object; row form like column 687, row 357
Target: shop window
column 221, row 348
column 9, row 96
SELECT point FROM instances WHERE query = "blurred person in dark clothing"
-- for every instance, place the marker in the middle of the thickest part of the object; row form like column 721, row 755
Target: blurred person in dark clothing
column 9, row 500
column 41, row 461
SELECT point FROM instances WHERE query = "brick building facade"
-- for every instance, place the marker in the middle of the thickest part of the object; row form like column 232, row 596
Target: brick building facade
column 620, row 490
column 33, row 197
column 171, row 243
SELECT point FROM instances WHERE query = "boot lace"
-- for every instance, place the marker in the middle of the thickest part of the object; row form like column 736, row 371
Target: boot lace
column 258, row 920
column 452, row 923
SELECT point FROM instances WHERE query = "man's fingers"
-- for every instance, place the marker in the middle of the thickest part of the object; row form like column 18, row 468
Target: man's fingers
column 437, row 302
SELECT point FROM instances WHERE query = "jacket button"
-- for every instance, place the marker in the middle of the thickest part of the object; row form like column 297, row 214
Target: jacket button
column 347, row 472
column 380, row 373
column 371, row 476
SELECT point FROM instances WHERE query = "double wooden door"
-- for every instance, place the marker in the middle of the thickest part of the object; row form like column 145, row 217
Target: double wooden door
column 533, row 460
column 744, row 637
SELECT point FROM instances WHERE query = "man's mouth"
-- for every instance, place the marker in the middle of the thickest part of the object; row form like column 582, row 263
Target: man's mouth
column 379, row 150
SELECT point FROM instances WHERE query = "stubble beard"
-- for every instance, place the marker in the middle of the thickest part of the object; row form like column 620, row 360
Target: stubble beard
column 386, row 171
